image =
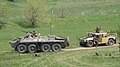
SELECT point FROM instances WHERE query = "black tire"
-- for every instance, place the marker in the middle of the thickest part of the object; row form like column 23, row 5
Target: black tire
column 89, row 44
column 32, row 48
column 110, row 42
column 56, row 47
column 95, row 43
column 45, row 48
column 22, row 48
column 82, row 44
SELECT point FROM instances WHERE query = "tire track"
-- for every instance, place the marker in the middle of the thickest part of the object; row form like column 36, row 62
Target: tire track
column 89, row 48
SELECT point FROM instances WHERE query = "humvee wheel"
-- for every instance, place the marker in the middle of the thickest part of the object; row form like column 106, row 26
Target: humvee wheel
column 56, row 47
column 32, row 48
column 110, row 42
column 21, row 48
column 45, row 47
column 82, row 44
column 89, row 44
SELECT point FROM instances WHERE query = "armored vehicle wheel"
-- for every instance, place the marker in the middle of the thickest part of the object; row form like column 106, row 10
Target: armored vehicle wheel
column 21, row 48
column 32, row 48
column 56, row 47
column 89, row 44
column 45, row 47
column 110, row 42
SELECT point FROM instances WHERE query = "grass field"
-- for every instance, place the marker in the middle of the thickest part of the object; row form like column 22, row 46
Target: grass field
column 83, row 58
column 80, row 16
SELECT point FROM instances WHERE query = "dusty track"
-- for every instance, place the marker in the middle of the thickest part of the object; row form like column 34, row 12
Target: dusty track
column 74, row 49
column 88, row 48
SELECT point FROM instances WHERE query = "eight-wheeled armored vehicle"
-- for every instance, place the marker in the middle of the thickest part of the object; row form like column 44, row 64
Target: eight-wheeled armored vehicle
column 34, row 42
column 94, row 39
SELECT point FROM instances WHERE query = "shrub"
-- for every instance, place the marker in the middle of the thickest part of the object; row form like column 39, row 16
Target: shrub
column 24, row 24
column 118, row 31
column 2, row 24
column 11, row 0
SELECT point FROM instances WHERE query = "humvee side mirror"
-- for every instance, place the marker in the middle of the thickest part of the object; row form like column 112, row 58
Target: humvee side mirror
column 105, row 36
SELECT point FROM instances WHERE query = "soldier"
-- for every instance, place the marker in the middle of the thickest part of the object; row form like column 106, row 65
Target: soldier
column 98, row 30
column 34, row 34
column 28, row 35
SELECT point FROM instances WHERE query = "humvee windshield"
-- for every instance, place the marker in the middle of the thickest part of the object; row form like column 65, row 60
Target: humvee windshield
column 90, row 35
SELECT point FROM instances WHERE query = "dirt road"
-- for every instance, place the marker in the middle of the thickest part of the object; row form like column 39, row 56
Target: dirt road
column 88, row 48
column 76, row 49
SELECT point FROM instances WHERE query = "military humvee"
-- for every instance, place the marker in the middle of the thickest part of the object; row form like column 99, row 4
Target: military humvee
column 31, row 43
column 94, row 39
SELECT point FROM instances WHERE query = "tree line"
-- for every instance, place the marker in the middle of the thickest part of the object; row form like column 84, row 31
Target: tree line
column 34, row 11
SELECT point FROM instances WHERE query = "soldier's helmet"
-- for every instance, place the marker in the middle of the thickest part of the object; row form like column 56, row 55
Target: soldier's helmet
column 98, row 29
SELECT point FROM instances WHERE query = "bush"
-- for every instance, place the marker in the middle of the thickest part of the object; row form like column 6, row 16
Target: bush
column 116, row 31
column 2, row 24
column 24, row 24
column 11, row 0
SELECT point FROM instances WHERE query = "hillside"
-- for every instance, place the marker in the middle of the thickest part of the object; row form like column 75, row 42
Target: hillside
column 80, row 16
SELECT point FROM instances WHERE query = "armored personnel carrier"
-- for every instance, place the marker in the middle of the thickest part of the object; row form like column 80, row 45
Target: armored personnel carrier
column 32, row 43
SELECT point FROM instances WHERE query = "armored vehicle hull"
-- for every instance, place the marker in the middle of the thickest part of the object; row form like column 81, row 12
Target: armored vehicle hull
column 39, row 43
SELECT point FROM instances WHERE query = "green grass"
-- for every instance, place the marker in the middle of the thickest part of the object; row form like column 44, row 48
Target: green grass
column 74, row 28
column 83, row 58
column 81, row 16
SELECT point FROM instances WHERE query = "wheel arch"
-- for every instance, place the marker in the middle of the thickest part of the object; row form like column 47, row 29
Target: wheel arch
column 112, row 39
column 27, row 44
column 62, row 44
column 18, row 44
